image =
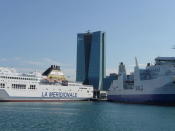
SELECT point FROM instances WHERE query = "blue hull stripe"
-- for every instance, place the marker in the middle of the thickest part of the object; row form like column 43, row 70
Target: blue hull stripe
column 162, row 99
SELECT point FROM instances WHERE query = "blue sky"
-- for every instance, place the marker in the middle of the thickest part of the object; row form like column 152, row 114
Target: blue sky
column 37, row 33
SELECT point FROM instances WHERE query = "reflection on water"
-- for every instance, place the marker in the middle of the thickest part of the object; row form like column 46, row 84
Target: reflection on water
column 88, row 116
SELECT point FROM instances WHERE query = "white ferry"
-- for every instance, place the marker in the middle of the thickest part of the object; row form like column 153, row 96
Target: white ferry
column 153, row 85
column 51, row 86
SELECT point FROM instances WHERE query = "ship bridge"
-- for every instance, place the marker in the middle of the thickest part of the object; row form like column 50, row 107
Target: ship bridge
column 165, row 60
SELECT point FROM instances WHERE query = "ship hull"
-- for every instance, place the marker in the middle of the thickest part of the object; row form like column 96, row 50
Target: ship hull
column 5, row 97
column 156, row 99
column 40, row 100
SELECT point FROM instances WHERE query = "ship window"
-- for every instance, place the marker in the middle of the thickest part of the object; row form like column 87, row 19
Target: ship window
column 2, row 85
column 32, row 87
column 18, row 86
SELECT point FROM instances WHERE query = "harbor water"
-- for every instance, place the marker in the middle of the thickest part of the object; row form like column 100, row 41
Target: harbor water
column 85, row 116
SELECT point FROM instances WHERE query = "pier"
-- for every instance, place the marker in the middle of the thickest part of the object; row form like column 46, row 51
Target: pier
column 99, row 95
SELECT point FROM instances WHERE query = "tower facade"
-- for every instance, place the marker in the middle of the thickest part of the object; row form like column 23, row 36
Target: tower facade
column 91, row 61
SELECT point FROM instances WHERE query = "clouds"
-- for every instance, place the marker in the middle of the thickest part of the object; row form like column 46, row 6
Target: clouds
column 70, row 73
column 30, row 65
column 41, row 64
column 34, row 62
column 140, row 65
column 3, row 59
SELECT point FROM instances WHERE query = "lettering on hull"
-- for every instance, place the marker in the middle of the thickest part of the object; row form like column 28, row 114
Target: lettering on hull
column 59, row 94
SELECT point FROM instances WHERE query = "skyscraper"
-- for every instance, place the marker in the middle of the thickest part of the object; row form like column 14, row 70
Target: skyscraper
column 91, row 61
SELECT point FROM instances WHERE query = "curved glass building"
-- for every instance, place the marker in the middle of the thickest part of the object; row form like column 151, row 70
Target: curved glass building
column 91, row 61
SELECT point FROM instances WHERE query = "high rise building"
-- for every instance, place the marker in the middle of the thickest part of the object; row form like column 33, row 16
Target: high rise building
column 108, row 81
column 91, row 61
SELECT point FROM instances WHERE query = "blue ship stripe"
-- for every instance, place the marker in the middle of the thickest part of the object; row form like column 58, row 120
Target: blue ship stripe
column 148, row 98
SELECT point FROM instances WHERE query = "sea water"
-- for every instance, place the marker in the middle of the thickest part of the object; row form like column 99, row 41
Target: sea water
column 85, row 116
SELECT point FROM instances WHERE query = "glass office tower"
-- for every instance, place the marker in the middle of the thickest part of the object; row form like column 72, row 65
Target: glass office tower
column 91, row 61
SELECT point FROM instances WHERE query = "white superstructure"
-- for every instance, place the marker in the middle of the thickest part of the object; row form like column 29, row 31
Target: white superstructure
column 155, row 84
column 16, row 86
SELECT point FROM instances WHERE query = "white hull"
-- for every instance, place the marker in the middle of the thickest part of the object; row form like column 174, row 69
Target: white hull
column 47, row 93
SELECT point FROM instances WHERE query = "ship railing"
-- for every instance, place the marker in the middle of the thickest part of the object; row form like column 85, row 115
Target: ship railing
column 50, row 83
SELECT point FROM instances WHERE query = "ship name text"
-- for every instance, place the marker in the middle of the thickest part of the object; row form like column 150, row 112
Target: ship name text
column 59, row 94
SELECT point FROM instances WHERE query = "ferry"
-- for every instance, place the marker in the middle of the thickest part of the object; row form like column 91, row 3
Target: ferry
column 50, row 86
column 153, row 85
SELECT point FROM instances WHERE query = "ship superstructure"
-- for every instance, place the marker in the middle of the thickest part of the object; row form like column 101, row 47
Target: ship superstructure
column 153, row 85
column 50, row 86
